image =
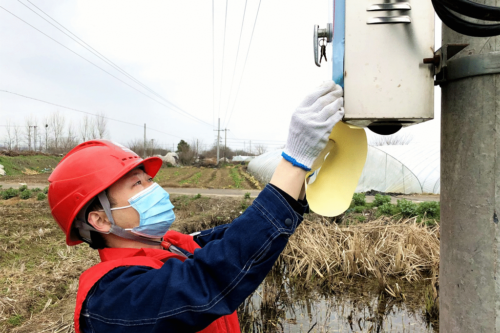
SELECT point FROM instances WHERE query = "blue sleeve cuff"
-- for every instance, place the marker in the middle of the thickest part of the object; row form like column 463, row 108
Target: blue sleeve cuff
column 294, row 162
column 277, row 210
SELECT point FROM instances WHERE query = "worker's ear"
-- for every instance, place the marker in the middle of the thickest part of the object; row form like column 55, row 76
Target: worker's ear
column 99, row 221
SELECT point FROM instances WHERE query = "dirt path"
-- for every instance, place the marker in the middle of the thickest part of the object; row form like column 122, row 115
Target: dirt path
column 240, row 192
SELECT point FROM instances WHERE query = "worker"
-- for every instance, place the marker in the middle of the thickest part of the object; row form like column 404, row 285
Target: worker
column 152, row 279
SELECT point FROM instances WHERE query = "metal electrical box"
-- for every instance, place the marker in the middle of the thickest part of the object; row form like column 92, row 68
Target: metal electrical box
column 386, row 83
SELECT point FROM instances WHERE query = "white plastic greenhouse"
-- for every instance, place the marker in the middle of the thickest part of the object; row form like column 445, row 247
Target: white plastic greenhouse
column 239, row 158
column 391, row 169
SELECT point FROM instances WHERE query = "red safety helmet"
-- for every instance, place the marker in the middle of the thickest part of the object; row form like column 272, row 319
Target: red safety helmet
column 87, row 170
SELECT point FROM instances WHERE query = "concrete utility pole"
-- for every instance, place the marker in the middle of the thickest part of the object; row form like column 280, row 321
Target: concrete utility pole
column 29, row 137
column 469, row 282
column 34, row 137
column 225, row 143
column 144, row 155
column 218, row 141
column 46, row 137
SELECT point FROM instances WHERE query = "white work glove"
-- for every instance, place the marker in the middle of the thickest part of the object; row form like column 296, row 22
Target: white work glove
column 312, row 124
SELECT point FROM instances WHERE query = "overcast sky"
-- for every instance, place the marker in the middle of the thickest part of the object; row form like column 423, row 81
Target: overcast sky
column 167, row 46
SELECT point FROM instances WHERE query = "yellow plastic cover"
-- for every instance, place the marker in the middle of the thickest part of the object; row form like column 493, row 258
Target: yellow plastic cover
column 331, row 193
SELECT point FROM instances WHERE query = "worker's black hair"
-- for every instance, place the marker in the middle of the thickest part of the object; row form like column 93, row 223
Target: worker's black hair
column 97, row 239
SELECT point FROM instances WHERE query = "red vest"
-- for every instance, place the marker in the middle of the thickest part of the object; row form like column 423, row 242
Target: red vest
column 155, row 258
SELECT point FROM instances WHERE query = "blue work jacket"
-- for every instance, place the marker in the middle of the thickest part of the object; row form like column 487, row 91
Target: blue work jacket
column 233, row 261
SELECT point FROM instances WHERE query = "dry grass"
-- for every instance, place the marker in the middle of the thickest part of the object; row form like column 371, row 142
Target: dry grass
column 39, row 273
column 380, row 248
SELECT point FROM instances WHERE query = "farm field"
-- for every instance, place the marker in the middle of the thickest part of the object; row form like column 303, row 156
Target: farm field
column 312, row 288
column 226, row 177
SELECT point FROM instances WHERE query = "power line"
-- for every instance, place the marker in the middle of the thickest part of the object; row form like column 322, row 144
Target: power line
column 86, row 112
column 244, row 66
column 79, row 41
column 213, row 66
column 99, row 55
column 236, row 60
column 223, row 53
column 179, row 109
column 258, row 140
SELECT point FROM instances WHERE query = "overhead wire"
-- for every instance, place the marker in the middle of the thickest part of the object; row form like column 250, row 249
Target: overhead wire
column 222, row 64
column 236, row 60
column 86, row 112
column 102, row 69
column 79, row 41
column 244, row 66
column 101, row 56
column 213, row 66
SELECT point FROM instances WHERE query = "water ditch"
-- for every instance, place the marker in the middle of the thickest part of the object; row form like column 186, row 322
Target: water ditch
column 339, row 305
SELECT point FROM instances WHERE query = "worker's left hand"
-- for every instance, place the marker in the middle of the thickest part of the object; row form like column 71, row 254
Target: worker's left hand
column 312, row 124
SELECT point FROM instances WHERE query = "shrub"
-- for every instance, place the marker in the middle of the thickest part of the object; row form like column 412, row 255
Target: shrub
column 361, row 218
column 359, row 199
column 26, row 194
column 430, row 209
column 36, row 190
column 388, row 209
column 41, row 196
column 247, row 195
column 10, row 193
column 46, row 190
column 359, row 209
column 23, row 188
column 381, row 199
column 197, row 196
column 408, row 208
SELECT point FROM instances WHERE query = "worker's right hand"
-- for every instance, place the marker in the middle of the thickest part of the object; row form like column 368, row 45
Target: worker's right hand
column 312, row 124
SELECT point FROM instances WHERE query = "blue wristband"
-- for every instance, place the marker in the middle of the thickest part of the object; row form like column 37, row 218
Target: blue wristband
column 294, row 162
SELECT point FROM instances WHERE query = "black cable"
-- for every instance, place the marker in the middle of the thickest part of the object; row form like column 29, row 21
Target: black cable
column 473, row 9
column 462, row 26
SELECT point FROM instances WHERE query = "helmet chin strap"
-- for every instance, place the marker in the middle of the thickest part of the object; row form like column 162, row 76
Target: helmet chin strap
column 119, row 231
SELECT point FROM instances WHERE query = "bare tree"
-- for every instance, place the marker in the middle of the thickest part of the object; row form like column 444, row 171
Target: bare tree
column 154, row 147
column 9, row 138
column 137, row 146
column 56, row 125
column 17, row 136
column 197, row 147
column 70, row 140
column 401, row 138
column 101, row 125
column 29, row 124
column 260, row 149
column 86, row 128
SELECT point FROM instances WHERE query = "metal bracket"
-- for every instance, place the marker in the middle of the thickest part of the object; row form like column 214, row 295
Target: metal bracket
column 448, row 69
column 321, row 33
